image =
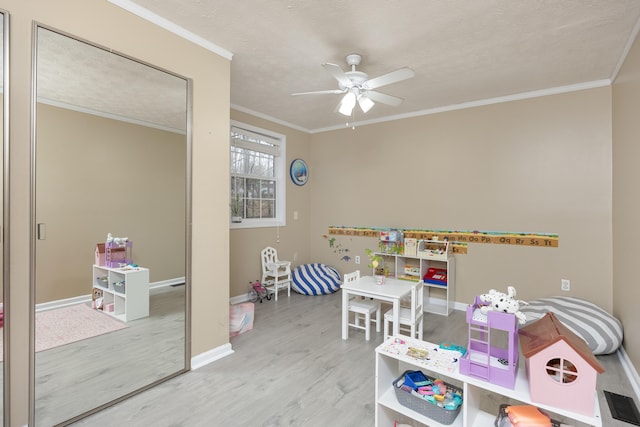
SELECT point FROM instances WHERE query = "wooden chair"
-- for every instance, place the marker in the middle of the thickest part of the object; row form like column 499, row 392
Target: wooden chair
column 363, row 309
column 276, row 274
column 410, row 317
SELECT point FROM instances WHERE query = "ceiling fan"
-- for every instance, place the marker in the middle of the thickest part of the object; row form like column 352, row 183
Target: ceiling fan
column 357, row 87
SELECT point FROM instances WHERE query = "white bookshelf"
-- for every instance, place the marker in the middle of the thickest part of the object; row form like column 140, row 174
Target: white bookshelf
column 126, row 288
column 390, row 365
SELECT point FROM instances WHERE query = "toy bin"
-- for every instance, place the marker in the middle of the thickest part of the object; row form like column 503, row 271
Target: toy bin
column 240, row 318
column 434, row 249
column 407, row 396
column 119, row 287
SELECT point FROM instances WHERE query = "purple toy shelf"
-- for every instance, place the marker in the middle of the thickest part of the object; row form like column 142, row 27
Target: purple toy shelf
column 484, row 359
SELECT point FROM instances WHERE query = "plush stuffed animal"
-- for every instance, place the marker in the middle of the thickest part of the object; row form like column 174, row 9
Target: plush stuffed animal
column 505, row 303
column 120, row 241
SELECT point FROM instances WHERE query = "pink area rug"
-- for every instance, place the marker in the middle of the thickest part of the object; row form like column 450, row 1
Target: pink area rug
column 70, row 324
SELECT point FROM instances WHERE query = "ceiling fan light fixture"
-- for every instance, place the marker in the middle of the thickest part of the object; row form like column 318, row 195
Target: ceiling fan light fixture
column 358, row 87
column 365, row 103
column 347, row 104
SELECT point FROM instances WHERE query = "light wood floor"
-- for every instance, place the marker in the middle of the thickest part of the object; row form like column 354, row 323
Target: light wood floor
column 293, row 369
column 74, row 378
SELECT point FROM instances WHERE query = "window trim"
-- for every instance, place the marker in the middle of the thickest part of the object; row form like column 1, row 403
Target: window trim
column 280, row 172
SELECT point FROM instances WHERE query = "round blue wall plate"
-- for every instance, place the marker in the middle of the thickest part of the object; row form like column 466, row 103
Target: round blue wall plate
column 299, row 172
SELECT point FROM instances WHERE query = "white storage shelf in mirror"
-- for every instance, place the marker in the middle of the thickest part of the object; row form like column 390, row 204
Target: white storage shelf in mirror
column 112, row 154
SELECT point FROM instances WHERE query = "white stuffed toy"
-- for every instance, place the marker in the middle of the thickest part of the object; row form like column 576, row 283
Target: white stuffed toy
column 120, row 241
column 505, row 303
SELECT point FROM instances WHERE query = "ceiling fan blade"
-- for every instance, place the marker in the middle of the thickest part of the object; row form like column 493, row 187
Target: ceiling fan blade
column 384, row 98
column 321, row 92
column 387, row 79
column 338, row 74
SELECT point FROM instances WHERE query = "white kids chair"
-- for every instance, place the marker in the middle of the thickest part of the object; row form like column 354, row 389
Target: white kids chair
column 363, row 309
column 276, row 274
column 410, row 318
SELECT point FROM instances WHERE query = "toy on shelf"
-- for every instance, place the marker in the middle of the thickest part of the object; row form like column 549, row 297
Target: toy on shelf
column 117, row 251
column 434, row 249
column 391, row 242
column 411, row 273
column 436, row 276
column 498, row 365
column 553, row 352
column 431, row 397
column 504, row 303
column 523, row 416
column 455, row 347
column 410, row 247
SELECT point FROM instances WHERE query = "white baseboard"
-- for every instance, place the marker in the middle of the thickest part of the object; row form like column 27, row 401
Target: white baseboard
column 62, row 303
column 238, row 299
column 164, row 283
column 210, row 356
column 86, row 298
column 460, row 306
column 630, row 370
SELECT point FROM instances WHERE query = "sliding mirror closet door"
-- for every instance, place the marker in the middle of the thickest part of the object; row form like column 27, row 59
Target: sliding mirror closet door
column 111, row 156
column 4, row 91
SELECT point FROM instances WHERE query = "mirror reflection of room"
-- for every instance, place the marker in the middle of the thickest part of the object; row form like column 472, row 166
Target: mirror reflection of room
column 110, row 184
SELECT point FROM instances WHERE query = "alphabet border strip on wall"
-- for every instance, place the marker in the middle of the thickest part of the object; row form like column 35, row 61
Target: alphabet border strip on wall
column 459, row 239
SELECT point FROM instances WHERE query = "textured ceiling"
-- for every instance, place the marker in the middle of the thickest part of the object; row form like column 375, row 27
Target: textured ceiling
column 463, row 51
column 82, row 77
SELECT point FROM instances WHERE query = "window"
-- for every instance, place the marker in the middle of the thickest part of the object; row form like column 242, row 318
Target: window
column 562, row 370
column 257, row 176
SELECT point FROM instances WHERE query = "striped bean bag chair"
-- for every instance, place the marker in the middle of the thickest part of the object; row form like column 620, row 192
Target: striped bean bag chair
column 600, row 330
column 315, row 279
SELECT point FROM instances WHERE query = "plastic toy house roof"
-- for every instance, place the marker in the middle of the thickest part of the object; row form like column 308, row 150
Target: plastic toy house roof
column 548, row 330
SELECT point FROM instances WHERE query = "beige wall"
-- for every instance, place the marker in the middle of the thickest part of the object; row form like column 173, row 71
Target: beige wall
column 107, row 25
column 626, row 203
column 80, row 198
column 536, row 165
column 293, row 245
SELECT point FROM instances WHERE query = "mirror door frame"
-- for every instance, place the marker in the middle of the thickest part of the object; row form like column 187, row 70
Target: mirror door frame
column 4, row 225
column 33, row 229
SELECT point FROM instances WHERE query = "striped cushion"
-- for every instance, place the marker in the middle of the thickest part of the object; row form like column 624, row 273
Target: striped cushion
column 600, row 330
column 315, row 279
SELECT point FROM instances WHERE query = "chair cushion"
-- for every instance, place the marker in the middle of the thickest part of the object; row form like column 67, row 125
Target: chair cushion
column 600, row 330
column 315, row 279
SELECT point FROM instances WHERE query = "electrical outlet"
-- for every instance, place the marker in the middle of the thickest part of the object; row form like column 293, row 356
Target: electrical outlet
column 357, row 259
column 566, row 285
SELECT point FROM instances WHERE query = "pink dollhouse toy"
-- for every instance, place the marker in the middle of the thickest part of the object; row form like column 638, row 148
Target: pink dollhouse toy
column 484, row 359
column 562, row 371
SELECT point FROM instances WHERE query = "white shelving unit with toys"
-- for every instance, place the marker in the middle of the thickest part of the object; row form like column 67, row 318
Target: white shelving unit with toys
column 124, row 291
column 431, row 260
column 393, row 359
